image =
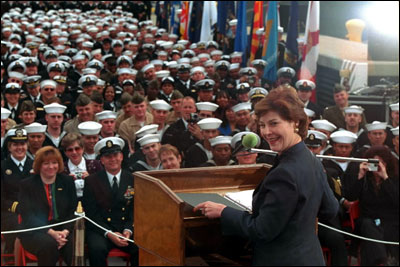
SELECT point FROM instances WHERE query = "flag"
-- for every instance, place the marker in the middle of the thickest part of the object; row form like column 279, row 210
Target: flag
column 162, row 13
column 257, row 23
column 194, row 23
column 208, row 22
column 291, row 51
column 270, row 49
column 225, row 9
column 310, row 51
column 241, row 32
column 184, row 16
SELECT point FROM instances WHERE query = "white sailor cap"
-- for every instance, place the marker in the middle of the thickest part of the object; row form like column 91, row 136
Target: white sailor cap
column 209, row 123
column 241, row 106
column 35, row 128
column 204, row 55
column 87, row 80
column 194, row 60
column 248, row 71
column 376, row 125
column 236, row 54
column 184, row 61
column 106, row 114
column 48, row 83
column 160, row 105
column 222, row 63
column 16, row 74
column 89, row 71
column 183, row 42
column 209, row 63
column 221, row 140
column 5, row 113
column 257, row 92
column 173, row 65
column 109, row 145
column 280, row 29
column 216, row 53
column 237, row 138
column 286, row 72
column 259, row 62
column 54, row 108
column 162, row 74
column 167, row 45
column 233, row 22
column 78, row 57
column 323, row 125
column 305, row 85
column 147, row 67
column 243, row 88
column 147, row 129
column 394, row 107
column 156, row 62
column 310, row 113
column 149, row 139
column 234, row 66
column 343, row 137
column 161, row 53
column 197, row 69
column 354, row 109
column 208, row 106
column 206, row 85
column 87, row 44
column 317, row 134
column 89, row 128
column 125, row 71
column 395, row 131
column 117, row 42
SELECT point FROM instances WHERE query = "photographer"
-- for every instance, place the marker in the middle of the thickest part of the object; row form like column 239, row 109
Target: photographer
column 185, row 132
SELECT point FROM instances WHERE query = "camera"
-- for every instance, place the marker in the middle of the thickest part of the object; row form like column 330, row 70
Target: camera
column 194, row 118
column 372, row 167
column 78, row 175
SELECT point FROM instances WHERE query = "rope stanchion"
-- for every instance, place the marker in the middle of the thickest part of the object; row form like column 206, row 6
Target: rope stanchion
column 359, row 237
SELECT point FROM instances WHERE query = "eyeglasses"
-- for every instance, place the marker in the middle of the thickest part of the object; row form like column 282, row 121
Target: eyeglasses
column 72, row 149
column 49, row 89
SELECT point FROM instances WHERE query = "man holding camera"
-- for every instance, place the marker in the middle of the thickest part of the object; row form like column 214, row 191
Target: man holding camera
column 185, row 132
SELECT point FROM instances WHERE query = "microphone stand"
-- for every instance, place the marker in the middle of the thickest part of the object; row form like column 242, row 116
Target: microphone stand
column 270, row 152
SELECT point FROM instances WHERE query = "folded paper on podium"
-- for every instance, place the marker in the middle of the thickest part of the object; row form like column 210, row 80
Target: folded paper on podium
column 169, row 233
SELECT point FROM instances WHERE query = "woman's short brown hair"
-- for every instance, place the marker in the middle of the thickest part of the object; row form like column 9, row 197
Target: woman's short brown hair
column 47, row 153
column 284, row 101
column 167, row 148
column 71, row 138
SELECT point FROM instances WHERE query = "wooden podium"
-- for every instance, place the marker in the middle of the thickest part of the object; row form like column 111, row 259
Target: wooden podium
column 167, row 231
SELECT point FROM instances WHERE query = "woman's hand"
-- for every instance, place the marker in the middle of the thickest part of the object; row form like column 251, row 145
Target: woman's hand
column 210, row 209
column 363, row 170
column 59, row 236
column 382, row 171
column 117, row 240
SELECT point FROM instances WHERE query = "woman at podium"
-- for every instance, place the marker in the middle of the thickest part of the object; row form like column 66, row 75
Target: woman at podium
column 286, row 204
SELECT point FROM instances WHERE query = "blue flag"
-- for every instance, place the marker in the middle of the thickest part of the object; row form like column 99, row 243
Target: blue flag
column 241, row 32
column 226, row 10
column 291, row 51
column 270, row 50
column 194, row 30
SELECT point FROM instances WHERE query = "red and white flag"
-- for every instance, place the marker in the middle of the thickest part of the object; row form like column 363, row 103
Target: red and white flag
column 310, row 51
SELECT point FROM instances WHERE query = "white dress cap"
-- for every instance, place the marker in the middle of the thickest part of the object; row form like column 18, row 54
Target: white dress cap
column 305, row 85
column 48, row 83
column 147, row 67
column 323, row 125
column 257, row 92
column 35, row 128
column 149, row 139
column 233, row 22
column 5, row 113
column 89, row 128
column 54, row 108
column 109, row 145
column 209, row 124
column 376, row 125
column 310, row 113
column 394, row 107
column 395, row 131
column 354, row 110
column 162, row 74
column 238, row 138
column 147, row 129
column 160, row 105
column 208, row 106
column 343, row 137
column 241, row 106
column 319, row 135
column 221, row 140
column 286, row 71
column 106, row 114
column 197, row 69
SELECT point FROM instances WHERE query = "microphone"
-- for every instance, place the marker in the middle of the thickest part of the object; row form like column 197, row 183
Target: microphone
column 249, row 141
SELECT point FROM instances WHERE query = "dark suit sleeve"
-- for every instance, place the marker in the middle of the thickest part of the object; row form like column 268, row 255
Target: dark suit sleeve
column 280, row 198
column 329, row 205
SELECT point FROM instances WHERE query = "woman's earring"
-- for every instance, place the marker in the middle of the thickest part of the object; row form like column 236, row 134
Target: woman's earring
column 296, row 130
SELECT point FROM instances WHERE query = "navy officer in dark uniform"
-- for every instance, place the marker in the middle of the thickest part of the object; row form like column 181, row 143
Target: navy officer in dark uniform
column 14, row 168
column 108, row 200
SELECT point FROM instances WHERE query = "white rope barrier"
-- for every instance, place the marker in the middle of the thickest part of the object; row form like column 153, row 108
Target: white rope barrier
column 360, row 237
column 82, row 216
